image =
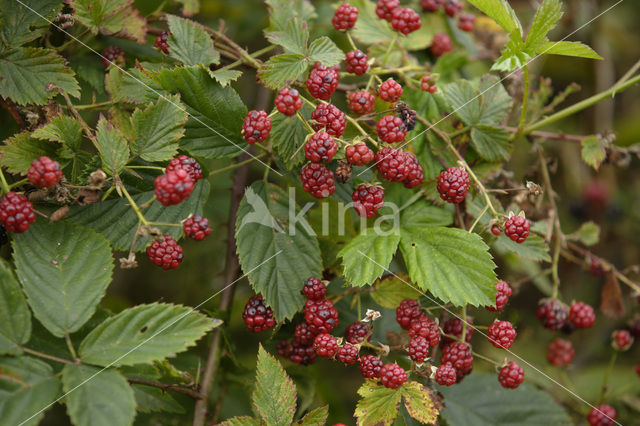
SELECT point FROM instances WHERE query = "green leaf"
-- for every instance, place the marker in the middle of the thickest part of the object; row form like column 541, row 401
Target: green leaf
column 366, row 257
column 454, row 265
column 111, row 17
column 533, row 248
column 241, row 421
column 281, row 70
column 317, row 417
column 97, row 397
column 378, row 406
column 135, row 85
column 568, row 48
column 589, row 233
column 369, row 28
column 423, row 213
column 152, row 400
column 64, row 270
column 500, row 11
column 28, row 72
column 293, row 38
column 274, row 397
column 276, row 252
column 546, row 19
column 485, row 102
column 189, row 7
column 63, row 129
column 27, row 388
column 391, row 290
column 143, row 334
column 480, row 401
column 189, row 43
column 281, row 12
column 513, row 55
column 593, row 151
column 19, row 151
column 15, row 317
column 113, row 147
column 216, row 113
column 491, row 143
column 117, row 222
column 421, row 402
column 225, row 77
column 20, row 25
column 157, row 129
column 325, row 51
column 288, row 134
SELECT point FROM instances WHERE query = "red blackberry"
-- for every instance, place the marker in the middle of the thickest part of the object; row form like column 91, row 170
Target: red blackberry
column 552, row 314
column 166, row 254
column 392, row 376
column 256, row 126
column 501, row 334
column 560, row 352
column 325, row 345
column 405, row 20
column 453, row 184
column 367, row 199
column 453, row 327
column 427, row 328
column 16, row 212
column 358, row 154
column 511, row 375
column 173, row 187
column 495, row 230
column 446, row 374
column 362, row 102
column 329, row 118
column 113, row 54
column 345, row 17
column 347, row 353
column 596, row 269
column 285, row 348
column 321, row 316
column 408, row 311
column 44, row 172
column 516, row 228
column 392, row 164
column 317, row 180
column 460, row 356
column 322, row 82
column 356, row 62
column 452, row 7
column 430, row 5
column 303, row 334
column 582, row 315
column 302, row 354
column 602, row 415
column 390, row 91
column 621, row 340
column 418, row 349
column 162, row 42
column 441, row 44
column 288, row 101
column 357, row 332
column 466, row 22
column 314, row 289
column 190, row 165
column 196, row 227
column 391, row 129
column 385, row 8
column 257, row 316
column 415, row 175
column 320, row 148
column 503, row 293
column 370, row 366
column 428, row 85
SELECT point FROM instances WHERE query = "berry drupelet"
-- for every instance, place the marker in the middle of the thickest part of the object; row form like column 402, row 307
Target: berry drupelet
column 560, row 352
column 329, row 118
column 345, row 17
column 165, row 253
column 367, row 199
column 495, row 230
column 16, row 212
column 288, row 101
column 362, row 102
column 358, row 154
column 503, row 293
column 196, row 227
column 190, row 165
column 257, row 316
column 356, row 62
column 256, row 127
column 511, row 375
column 173, row 187
column 453, row 184
column 317, row 180
column 44, row 172
column 320, row 148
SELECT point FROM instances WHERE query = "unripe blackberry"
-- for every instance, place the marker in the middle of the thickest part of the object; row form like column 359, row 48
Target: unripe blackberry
column 552, row 314
column 113, row 54
column 370, row 366
column 393, row 164
column 392, row 376
column 390, row 91
column 288, row 101
column 358, row 154
column 517, row 228
column 501, row 334
column 460, row 356
column 582, row 315
column 196, row 227
column 16, row 212
column 362, row 102
column 452, row 7
column 329, row 118
column 322, row 82
column 511, row 375
column 367, row 199
column 415, row 174
column 418, row 349
column 162, row 42
column 385, row 8
column 466, row 22
column 317, row 180
column 425, row 327
column 356, row 62
column 391, row 129
column 441, row 44
column 454, row 327
column 285, row 348
column 405, row 20
column 428, row 85
column 431, row 5
column 302, row 354
column 320, row 148
column 347, row 353
column 560, row 352
column 314, row 289
column 453, row 184
column 602, row 415
column 345, row 17
column 303, row 334
column 407, row 311
column 621, row 340
column 44, row 172
column 357, row 332
column 325, row 345
column 446, row 374
column 190, row 165
column 173, row 187
column 167, row 253
column 257, row 316
column 495, row 230
column 503, row 293
column 256, row 126
column 321, row 316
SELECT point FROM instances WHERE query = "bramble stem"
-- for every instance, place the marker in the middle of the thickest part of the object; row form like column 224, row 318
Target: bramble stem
column 47, row 356
column 180, row 389
column 18, row 183
column 72, row 351
column 473, row 225
column 236, row 165
column 525, row 102
column 463, row 311
column 353, row 45
column 607, row 374
column 3, row 182
column 133, row 204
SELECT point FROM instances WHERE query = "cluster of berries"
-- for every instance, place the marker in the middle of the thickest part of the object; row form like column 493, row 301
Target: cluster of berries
column 173, row 187
column 162, row 42
column 451, row 8
column 403, row 20
column 113, row 54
